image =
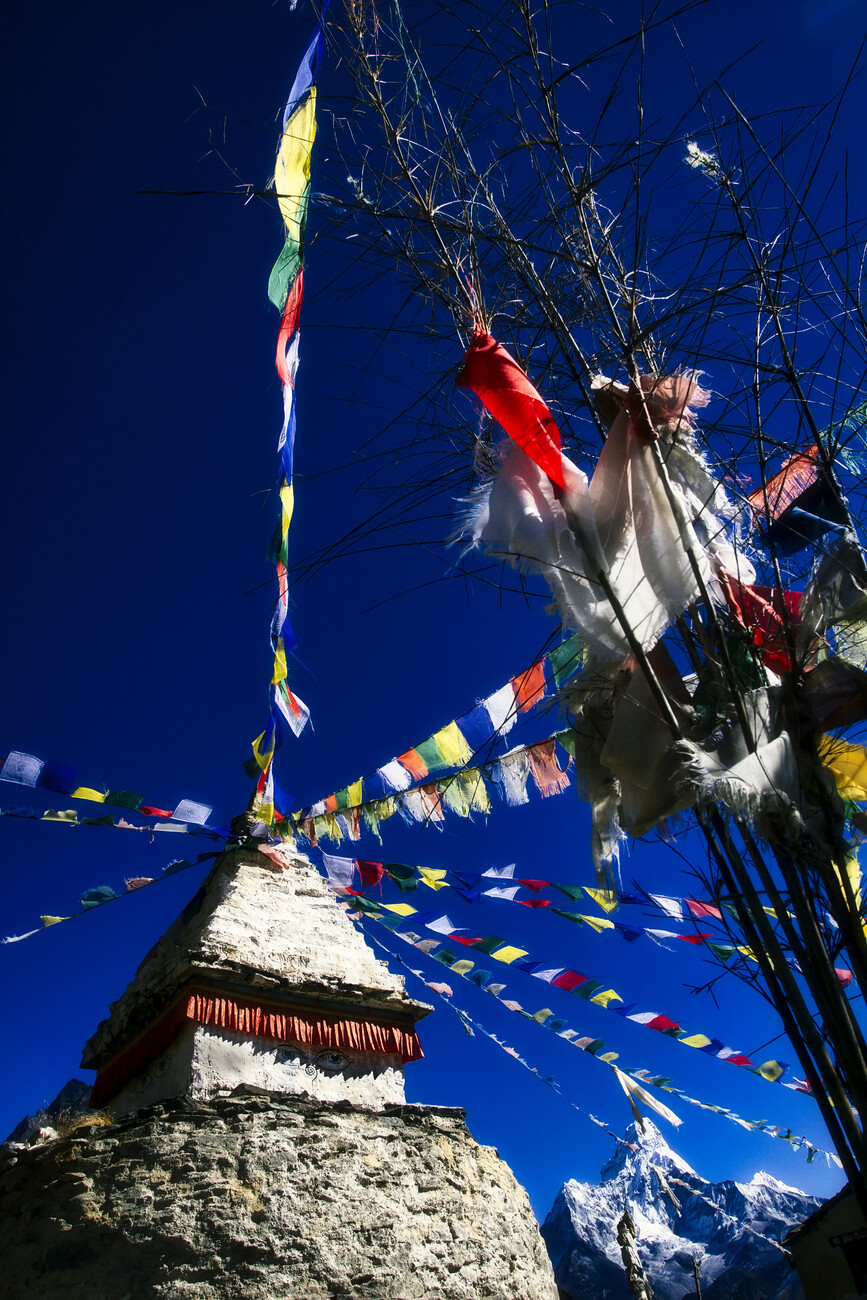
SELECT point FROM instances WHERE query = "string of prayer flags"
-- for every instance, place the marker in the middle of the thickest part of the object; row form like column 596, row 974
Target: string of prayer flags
column 286, row 291
column 463, row 793
column 102, row 894
column 60, row 778
column 455, row 744
column 470, row 886
column 575, row 982
column 640, row 1078
column 70, row 817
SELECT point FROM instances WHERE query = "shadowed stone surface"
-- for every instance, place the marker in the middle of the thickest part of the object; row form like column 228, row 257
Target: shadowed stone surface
column 265, row 1197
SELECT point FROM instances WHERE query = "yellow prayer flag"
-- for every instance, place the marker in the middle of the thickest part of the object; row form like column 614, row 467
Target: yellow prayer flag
column 747, row 952
column 541, row 1016
column 853, row 874
column 695, row 1040
column 433, row 879
column 607, row 995
column 848, row 763
column 598, row 923
column 280, row 670
column 451, row 745
column 608, row 1057
column 262, row 757
column 287, row 503
column 69, row 815
column 509, row 954
column 476, row 791
column 605, row 898
column 462, row 967
column 85, row 792
column 353, row 792
column 52, row 920
column 292, row 170
column 400, row 909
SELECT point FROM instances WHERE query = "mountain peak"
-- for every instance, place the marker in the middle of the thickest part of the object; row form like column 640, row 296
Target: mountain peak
column 679, row 1215
column 644, row 1146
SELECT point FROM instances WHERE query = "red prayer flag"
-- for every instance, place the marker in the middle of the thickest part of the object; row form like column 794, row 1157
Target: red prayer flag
column 529, row 687
column 370, row 872
column 535, row 885
column 288, row 326
column 155, row 812
column 662, row 1023
column 568, row 980
column 535, row 902
column 768, row 614
column 695, row 938
column 504, row 389
column 698, row 908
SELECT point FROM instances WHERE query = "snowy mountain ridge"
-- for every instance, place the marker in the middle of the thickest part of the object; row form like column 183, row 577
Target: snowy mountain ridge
column 732, row 1228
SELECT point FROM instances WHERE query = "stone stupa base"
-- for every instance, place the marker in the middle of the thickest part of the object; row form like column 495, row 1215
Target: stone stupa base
column 268, row 1196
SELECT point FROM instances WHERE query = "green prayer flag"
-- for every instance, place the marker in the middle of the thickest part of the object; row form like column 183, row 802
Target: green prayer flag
column 445, row 956
column 431, row 756
column 571, row 891
column 566, row 659
column 288, row 264
column 488, row 944
column 406, row 878
column 722, row 950
column 367, row 905
column 587, row 989
column 125, row 799
column 106, row 820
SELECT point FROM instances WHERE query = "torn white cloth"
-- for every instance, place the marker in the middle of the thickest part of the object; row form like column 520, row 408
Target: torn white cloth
column 620, row 525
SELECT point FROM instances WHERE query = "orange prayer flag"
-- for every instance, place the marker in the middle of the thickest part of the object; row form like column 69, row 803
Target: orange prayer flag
column 414, row 764
column 529, row 687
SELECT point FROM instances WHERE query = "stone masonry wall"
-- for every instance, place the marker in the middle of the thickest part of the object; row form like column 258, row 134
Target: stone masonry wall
column 268, row 1197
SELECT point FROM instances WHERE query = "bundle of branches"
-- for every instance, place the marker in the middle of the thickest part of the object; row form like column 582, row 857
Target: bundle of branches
column 611, row 253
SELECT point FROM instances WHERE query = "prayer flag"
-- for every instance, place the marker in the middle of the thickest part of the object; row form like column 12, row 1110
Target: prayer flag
column 530, row 686
column 606, row 898
column 700, row 908
column 433, row 879
column 504, row 389
column 23, row 769
column 190, row 811
column 508, row 954
column 96, row 796
column 671, row 906
column 59, row 777
column 501, row 709
column 453, row 748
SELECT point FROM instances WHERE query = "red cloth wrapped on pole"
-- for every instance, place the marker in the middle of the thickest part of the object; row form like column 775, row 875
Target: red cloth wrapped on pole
column 505, row 391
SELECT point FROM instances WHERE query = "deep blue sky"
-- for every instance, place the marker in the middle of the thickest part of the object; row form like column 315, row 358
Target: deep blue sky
column 142, row 413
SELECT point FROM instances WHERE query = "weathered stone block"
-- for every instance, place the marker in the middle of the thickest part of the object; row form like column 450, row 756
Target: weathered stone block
column 309, row 1200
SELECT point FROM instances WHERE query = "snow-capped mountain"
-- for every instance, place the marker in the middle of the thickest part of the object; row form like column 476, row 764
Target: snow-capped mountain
column 730, row 1227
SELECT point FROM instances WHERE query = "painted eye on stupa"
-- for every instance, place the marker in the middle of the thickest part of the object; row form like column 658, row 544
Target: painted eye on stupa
column 331, row 1062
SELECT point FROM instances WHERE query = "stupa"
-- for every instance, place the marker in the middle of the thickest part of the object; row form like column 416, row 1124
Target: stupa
column 255, row 1139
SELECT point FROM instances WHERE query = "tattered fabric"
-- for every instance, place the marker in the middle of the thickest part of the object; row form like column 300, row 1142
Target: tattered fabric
column 620, row 530
column 504, row 389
